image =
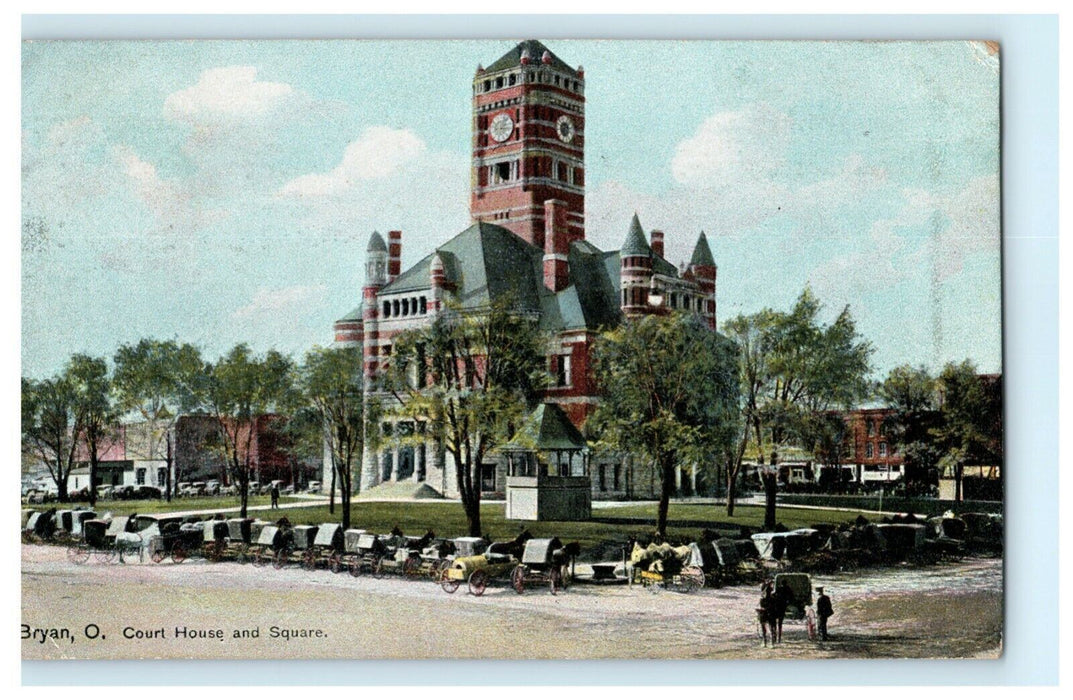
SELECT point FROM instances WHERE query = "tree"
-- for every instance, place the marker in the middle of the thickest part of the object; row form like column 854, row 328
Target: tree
column 468, row 379
column 50, row 426
column 236, row 391
column 91, row 395
column 967, row 433
column 331, row 385
column 157, row 380
column 669, row 391
column 912, row 395
column 794, row 369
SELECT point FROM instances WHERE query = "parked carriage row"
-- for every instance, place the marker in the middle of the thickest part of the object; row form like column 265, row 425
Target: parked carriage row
column 521, row 563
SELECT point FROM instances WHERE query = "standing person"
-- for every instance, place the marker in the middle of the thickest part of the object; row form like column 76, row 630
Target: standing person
column 275, row 496
column 823, row 611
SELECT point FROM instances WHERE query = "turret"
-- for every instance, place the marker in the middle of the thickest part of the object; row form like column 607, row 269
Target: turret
column 703, row 269
column 636, row 270
column 437, row 281
column 376, row 274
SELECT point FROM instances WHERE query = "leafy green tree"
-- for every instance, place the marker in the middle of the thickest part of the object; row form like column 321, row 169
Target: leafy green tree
column 157, row 379
column 669, row 391
column 331, row 386
column 469, row 379
column 969, row 415
column 912, row 395
column 238, row 389
column 91, row 393
column 793, row 370
column 50, row 426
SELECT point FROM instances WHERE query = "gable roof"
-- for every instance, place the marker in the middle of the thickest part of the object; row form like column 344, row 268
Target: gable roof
column 536, row 50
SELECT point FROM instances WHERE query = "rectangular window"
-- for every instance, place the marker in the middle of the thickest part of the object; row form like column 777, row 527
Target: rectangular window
column 882, row 449
column 871, row 428
column 869, row 450
column 603, row 482
column 562, row 370
column 139, row 476
column 161, row 476
column 616, row 474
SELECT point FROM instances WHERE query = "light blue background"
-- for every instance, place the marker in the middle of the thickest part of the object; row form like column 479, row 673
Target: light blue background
column 1030, row 248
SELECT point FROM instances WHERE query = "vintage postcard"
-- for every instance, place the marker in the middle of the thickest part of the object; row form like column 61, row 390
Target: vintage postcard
column 515, row 348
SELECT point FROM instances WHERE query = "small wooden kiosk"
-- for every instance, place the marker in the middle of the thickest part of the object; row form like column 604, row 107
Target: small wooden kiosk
column 548, row 469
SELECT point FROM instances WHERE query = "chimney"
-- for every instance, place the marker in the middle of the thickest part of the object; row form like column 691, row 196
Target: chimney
column 556, row 245
column 394, row 255
column 657, row 242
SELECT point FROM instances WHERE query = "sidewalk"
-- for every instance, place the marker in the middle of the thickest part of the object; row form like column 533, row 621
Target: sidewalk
column 307, row 501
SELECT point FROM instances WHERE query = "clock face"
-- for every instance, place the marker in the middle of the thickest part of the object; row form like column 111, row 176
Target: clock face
column 502, row 127
column 565, row 129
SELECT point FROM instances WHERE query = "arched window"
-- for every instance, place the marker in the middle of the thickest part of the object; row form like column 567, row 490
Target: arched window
column 387, row 309
column 405, row 307
column 395, row 307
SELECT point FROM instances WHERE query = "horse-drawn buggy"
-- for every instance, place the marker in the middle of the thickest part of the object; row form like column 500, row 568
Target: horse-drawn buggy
column 273, row 544
column 107, row 540
column 327, row 547
column 40, row 526
column 660, row 566
column 498, row 561
column 163, row 536
column 787, row 597
column 365, row 552
column 545, row 561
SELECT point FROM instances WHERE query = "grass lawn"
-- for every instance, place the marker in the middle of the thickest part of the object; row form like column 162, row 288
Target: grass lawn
column 610, row 525
column 182, row 504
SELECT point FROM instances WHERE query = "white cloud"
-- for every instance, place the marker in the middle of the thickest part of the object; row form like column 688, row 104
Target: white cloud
column 228, row 93
column 281, row 302
column 377, row 153
column 730, row 147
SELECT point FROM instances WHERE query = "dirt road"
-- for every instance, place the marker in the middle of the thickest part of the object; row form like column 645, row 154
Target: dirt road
column 954, row 610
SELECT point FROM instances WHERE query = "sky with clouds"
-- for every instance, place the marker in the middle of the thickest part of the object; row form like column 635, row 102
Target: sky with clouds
column 224, row 192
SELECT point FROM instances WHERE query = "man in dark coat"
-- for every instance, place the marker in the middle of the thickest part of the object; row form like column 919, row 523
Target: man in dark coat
column 275, row 495
column 823, row 611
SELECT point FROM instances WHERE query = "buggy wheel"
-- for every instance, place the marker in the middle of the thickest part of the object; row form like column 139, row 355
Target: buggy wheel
column 810, row 624
column 692, row 579
column 335, row 563
column 449, row 585
column 281, row 558
column 242, row 554
column 355, row 567
column 478, row 582
column 376, row 567
column 259, row 558
column 411, row 567
column 309, row 560
column 158, row 554
column 179, row 553
column 78, row 553
column 105, row 556
column 517, row 579
column 437, row 569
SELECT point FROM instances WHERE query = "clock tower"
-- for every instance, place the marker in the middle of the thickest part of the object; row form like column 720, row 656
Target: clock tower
column 529, row 142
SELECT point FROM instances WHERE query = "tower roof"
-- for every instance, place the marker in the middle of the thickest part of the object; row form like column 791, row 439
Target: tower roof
column 635, row 243
column 702, row 254
column 376, row 244
column 536, row 50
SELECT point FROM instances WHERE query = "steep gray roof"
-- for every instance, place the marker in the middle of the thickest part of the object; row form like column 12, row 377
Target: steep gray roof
column 354, row 315
column 635, row 243
column 536, row 49
column 376, row 244
column 702, row 254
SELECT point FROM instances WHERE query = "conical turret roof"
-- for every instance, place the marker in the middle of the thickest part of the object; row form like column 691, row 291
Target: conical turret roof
column 635, row 243
column 376, row 244
column 702, row 254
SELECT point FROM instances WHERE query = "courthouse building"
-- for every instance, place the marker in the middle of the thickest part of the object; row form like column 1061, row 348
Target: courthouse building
column 527, row 244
